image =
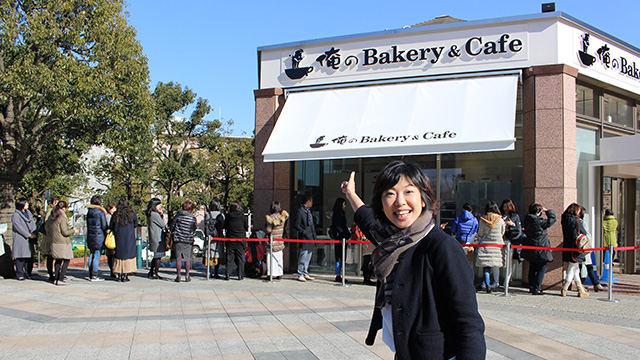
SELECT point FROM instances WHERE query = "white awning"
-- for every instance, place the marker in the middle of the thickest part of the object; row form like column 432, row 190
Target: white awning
column 446, row 116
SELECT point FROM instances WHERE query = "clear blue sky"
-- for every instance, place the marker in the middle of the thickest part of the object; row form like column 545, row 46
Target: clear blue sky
column 211, row 45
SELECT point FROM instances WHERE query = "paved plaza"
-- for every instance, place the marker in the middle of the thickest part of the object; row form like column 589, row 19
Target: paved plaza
column 287, row 319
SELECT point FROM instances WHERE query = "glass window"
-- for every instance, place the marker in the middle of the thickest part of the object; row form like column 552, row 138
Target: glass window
column 584, row 101
column 479, row 177
column 586, row 142
column 617, row 111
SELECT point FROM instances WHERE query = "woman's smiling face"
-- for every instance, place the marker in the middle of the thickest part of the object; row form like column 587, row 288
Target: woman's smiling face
column 402, row 204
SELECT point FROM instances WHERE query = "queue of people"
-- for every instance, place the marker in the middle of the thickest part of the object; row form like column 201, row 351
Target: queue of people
column 497, row 226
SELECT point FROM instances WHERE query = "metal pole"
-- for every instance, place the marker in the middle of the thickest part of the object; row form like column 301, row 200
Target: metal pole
column 85, row 252
column 208, row 255
column 508, row 273
column 610, row 282
column 270, row 258
column 146, row 257
column 342, row 264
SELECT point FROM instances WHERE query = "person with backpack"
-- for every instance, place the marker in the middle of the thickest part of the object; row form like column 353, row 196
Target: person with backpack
column 213, row 228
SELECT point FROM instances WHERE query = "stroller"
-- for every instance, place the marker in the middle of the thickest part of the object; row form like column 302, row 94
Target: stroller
column 255, row 265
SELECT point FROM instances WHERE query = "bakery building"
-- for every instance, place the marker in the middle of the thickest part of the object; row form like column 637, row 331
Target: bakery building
column 536, row 108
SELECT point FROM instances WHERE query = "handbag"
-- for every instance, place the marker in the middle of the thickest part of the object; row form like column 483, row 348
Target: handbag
column 110, row 241
column 169, row 240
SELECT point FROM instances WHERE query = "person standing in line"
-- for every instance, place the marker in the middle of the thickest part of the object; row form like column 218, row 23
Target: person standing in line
column 57, row 229
column 610, row 228
column 111, row 253
column 464, row 228
column 275, row 228
column 184, row 226
column 307, row 231
column 45, row 242
column 157, row 236
column 236, row 226
column 490, row 231
column 214, row 227
column 96, row 233
column 425, row 302
column 339, row 231
column 465, row 225
column 512, row 234
column 123, row 224
column 24, row 227
column 535, row 229
column 570, row 222
column 587, row 262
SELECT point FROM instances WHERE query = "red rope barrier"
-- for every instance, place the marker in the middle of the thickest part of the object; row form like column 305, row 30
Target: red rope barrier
column 624, row 248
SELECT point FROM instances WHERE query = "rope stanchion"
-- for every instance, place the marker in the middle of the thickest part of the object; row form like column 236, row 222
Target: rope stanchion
column 208, row 255
column 508, row 274
column 270, row 269
column 342, row 263
column 610, row 283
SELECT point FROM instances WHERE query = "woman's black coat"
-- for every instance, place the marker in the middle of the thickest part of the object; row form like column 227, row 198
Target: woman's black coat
column 570, row 230
column 125, row 237
column 535, row 229
column 435, row 312
column 236, row 225
column 96, row 227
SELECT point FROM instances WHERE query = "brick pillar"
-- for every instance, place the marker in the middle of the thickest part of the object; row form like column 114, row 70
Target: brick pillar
column 271, row 180
column 549, row 94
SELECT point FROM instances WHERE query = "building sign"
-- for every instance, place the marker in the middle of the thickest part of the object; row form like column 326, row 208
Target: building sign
column 603, row 55
column 344, row 59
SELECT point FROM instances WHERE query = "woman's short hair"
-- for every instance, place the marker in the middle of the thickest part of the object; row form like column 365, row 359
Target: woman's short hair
column 337, row 206
column 188, row 206
column 573, row 209
column 214, row 205
column 275, row 207
column 235, row 206
column 468, row 207
column 96, row 200
column 535, row 208
column 491, row 207
column 391, row 175
column 151, row 206
column 306, row 198
column 510, row 206
column 20, row 203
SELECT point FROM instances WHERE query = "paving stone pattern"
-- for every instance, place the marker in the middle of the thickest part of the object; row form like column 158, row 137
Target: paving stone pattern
column 287, row 319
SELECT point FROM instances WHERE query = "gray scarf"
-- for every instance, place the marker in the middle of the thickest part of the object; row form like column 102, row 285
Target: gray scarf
column 385, row 256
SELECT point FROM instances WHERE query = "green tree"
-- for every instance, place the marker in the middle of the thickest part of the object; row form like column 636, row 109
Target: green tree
column 230, row 171
column 69, row 71
column 178, row 140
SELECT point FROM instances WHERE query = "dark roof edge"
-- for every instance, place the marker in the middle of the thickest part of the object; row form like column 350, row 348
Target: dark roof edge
column 455, row 25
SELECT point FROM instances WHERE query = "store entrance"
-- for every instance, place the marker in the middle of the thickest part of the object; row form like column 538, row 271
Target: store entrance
column 620, row 196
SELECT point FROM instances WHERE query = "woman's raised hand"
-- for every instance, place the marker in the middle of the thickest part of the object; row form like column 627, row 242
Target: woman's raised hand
column 349, row 190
